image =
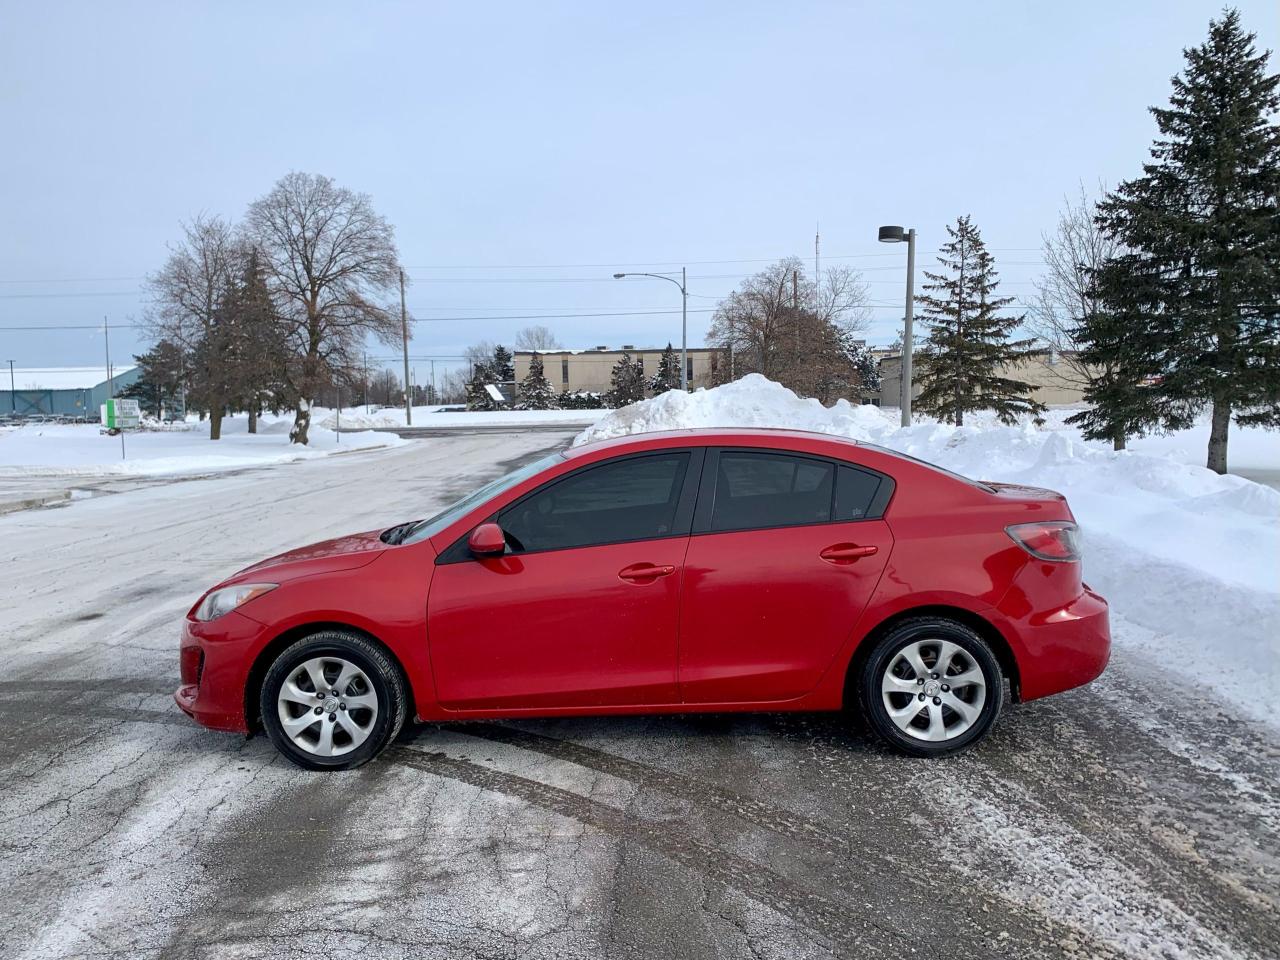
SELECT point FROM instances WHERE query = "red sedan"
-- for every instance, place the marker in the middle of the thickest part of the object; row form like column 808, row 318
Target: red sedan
column 709, row 570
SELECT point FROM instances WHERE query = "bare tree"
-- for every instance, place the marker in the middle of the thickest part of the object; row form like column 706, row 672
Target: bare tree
column 1066, row 294
column 784, row 325
column 187, row 295
column 453, row 387
column 537, row 338
column 330, row 261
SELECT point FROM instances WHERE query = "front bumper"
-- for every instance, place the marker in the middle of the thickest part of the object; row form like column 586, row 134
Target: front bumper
column 215, row 658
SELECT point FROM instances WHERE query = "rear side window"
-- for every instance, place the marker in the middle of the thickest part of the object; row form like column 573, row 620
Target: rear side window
column 855, row 493
column 755, row 490
column 632, row 499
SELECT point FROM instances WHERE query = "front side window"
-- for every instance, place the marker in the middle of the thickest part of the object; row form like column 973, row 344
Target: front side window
column 631, row 499
column 755, row 490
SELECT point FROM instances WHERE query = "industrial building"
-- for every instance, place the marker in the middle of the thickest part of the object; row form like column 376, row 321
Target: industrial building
column 60, row 391
column 590, row 370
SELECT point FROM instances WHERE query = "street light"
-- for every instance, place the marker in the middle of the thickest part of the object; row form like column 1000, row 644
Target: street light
column 897, row 235
column 684, row 318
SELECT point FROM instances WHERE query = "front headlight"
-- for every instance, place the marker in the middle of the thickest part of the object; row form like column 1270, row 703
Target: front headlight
column 226, row 599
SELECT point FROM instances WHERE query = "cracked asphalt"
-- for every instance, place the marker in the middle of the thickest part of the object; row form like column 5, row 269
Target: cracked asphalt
column 1136, row 817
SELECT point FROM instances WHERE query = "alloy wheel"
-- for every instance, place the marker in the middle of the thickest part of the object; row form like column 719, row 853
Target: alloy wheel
column 327, row 706
column 933, row 690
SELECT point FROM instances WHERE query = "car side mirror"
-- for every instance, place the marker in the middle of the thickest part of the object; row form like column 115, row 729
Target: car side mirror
column 487, row 540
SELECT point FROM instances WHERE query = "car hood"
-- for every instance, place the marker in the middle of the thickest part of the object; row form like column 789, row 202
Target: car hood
column 328, row 556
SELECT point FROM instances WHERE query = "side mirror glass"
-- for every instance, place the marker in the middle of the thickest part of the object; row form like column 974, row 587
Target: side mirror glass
column 487, row 540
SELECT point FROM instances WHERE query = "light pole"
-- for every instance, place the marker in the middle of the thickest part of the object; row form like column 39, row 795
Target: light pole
column 13, row 396
column 897, row 235
column 682, row 283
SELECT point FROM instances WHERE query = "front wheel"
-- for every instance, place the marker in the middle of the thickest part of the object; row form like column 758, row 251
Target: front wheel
column 332, row 701
column 931, row 687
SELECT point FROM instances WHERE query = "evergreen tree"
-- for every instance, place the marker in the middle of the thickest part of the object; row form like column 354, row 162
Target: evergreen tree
column 1201, row 224
column 477, row 396
column 159, row 382
column 969, row 347
column 535, row 388
column 627, row 380
column 1115, row 344
column 668, row 375
column 503, row 368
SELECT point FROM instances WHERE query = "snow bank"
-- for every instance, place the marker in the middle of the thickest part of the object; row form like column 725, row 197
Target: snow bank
column 1190, row 560
column 81, row 450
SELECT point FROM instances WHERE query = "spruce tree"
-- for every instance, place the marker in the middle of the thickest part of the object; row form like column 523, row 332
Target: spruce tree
column 535, row 388
column 477, row 396
column 968, row 349
column 503, row 367
column 668, row 375
column 627, row 381
column 1202, row 225
column 1118, row 345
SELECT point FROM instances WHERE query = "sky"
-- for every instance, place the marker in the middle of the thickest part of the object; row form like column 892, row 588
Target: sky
column 526, row 152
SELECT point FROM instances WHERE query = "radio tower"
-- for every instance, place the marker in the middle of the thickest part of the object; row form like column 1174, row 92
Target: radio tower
column 817, row 260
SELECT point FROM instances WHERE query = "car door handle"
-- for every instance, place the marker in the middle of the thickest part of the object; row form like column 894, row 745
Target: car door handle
column 645, row 572
column 847, row 552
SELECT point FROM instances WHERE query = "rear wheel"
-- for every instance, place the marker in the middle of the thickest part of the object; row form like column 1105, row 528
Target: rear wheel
column 931, row 687
column 332, row 701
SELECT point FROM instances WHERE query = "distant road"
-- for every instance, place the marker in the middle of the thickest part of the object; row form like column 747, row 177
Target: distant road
column 417, row 432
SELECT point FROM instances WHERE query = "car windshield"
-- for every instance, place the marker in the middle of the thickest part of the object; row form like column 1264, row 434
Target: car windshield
column 424, row 529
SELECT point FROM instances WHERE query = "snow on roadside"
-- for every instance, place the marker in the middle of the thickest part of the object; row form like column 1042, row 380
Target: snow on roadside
column 81, row 450
column 358, row 418
column 1188, row 557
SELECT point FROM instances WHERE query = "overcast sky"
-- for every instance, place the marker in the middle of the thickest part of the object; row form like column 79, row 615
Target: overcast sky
column 578, row 138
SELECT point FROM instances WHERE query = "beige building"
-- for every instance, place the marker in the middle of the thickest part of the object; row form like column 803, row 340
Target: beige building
column 1053, row 377
column 590, row 370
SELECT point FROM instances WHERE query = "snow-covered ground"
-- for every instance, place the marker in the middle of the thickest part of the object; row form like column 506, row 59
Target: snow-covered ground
column 1189, row 560
column 357, row 418
column 81, row 450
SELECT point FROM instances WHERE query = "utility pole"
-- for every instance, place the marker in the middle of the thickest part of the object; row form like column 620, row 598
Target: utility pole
column 404, row 336
column 13, row 393
column 817, row 260
column 434, row 398
column 365, row 387
column 795, row 306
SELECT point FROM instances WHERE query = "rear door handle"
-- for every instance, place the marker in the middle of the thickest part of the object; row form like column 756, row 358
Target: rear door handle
column 847, row 552
column 645, row 572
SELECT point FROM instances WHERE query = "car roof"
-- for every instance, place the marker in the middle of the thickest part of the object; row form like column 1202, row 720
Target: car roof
column 776, row 437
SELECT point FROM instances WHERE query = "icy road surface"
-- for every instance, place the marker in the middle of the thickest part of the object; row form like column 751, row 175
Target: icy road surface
column 1134, row 818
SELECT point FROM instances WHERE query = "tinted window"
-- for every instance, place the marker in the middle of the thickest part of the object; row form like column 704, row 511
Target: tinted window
column 855, row 492
column 770, row 490
column 631, row 499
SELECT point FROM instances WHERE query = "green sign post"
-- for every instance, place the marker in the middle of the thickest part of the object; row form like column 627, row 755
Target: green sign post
column 120, row 414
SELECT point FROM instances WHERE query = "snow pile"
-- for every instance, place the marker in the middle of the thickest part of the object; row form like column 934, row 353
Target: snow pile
column 1190, row 560
column 82, row 450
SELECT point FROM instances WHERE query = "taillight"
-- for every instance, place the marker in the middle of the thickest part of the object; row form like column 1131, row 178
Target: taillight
column 1056, row 540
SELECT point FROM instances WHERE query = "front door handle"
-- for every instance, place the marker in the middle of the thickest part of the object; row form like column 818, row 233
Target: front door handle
column 645, row 572
column 847, row 552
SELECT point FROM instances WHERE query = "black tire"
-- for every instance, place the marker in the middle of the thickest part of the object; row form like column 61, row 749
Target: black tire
column 384, row 679
column 973, row 649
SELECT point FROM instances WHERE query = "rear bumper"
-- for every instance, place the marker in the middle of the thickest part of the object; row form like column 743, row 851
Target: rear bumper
column 1060, row 648
column 212, row 693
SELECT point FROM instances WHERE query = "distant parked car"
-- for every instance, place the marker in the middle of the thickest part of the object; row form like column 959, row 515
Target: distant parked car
column 718, row 570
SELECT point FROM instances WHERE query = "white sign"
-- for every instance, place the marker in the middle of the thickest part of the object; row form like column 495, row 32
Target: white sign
column 494, row 393
column 121, row 414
